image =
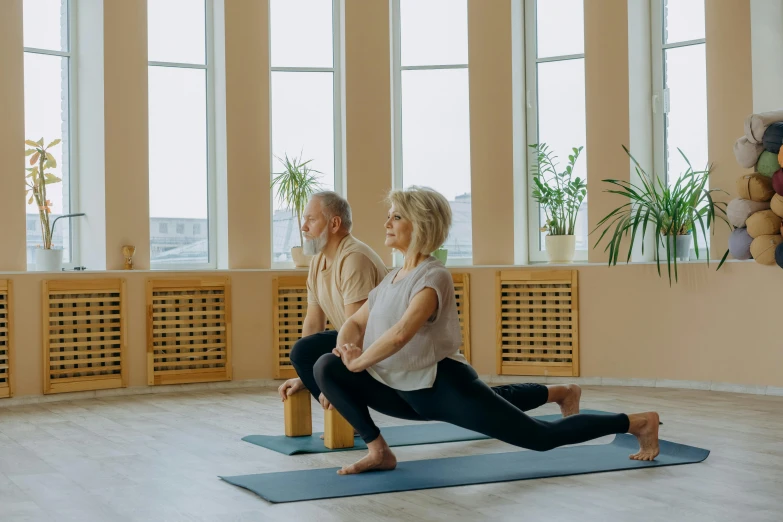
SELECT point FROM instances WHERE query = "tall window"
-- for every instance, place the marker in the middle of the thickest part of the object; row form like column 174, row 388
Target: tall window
column 182, row 181
column 432, row 108
column 306, row 93
column 680, row 88
column 48, row 91
column 555, row 64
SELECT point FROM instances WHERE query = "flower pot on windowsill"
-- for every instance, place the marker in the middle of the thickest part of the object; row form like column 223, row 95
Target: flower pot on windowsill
column 48, row 259
column 441, row 254
column 560, row 249
column 300, row 260
column 683, row 243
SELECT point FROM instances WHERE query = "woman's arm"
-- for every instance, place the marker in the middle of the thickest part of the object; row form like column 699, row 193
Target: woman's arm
column 353, row 330
column 423, row 305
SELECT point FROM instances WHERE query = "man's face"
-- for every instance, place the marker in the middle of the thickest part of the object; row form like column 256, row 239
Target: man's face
column 315, row 228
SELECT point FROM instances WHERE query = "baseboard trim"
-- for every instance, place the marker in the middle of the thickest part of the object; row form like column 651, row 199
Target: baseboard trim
column 489, row 379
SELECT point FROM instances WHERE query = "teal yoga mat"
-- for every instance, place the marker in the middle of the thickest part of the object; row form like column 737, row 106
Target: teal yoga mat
column 313, row 484
column 409, row 435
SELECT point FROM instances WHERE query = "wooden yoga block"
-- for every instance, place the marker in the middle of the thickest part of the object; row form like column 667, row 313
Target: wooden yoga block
column 338, row 433
column 298, row 420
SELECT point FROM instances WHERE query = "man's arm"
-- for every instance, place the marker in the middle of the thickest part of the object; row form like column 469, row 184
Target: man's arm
column 352, row 308
column 315, row 320
column 354, row 328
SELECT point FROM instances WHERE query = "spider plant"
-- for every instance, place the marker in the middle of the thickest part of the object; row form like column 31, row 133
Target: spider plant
column 685, row 207
column 295, row 184
column 558, row 193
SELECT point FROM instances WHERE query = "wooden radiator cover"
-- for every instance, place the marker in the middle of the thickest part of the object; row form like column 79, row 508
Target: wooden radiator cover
column 84, row 335
column 188, row 330
column 538, row 323
column 6, row 337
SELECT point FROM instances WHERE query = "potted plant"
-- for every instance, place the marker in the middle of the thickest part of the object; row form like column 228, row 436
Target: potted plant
column 441, row 254
column 295, row 184
column 673, row 213
column 47, row 258
column 560, row 195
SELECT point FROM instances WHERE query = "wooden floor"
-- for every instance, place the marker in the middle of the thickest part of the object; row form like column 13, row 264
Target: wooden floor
column 157, row 457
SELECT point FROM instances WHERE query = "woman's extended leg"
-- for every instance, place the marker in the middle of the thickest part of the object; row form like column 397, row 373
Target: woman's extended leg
column 459, row 397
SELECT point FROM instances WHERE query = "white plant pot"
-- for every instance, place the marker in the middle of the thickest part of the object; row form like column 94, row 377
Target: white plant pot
column 683, row 247
column 300, row 260
column 48, row 260
column 560, row 249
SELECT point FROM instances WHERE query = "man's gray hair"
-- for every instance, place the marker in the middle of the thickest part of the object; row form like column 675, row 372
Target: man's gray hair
column 336, row 205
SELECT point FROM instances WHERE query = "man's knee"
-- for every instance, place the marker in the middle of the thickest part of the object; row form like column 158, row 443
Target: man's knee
column 306, row 351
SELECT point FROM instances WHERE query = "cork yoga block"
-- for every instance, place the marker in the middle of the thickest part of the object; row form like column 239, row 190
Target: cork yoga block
column 763, row 223
column 776, row 205
column 755, row 187
column 739, row 210
column 763, row 248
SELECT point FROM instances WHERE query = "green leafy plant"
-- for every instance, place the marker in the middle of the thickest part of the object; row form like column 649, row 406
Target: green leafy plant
column 559, row 194
column 37, row 179
column 295, row 184
column 686, row 207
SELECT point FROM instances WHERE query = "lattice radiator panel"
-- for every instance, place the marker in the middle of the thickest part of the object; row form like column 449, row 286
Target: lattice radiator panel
column 188, row 330
column 6, row 323
column 84, row 335
column 538, row 323
column 289, row 307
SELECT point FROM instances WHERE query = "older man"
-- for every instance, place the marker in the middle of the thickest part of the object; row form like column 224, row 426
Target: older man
column 342, row 273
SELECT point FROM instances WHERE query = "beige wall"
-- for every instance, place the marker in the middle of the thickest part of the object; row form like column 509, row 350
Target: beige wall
column 716, row 327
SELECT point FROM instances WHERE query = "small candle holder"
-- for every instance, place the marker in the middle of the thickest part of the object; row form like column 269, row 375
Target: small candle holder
column 127, row 252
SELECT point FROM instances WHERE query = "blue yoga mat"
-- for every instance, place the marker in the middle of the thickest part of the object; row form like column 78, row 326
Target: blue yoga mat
column 294, row 486
column 409, row 435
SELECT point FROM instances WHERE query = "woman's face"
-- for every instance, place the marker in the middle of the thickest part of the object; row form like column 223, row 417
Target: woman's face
column 398, row 231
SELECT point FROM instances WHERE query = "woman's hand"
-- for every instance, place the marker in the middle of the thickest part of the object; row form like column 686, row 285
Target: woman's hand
column 349, row 353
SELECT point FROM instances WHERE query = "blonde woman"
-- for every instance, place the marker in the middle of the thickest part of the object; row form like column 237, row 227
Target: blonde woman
column 411, row 368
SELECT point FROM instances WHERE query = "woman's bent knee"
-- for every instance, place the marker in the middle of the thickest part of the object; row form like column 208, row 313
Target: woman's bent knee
column 327, row 367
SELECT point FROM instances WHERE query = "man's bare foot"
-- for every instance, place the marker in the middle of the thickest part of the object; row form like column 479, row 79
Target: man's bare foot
column 379, row 458
column 644, row 426
column 569, row 405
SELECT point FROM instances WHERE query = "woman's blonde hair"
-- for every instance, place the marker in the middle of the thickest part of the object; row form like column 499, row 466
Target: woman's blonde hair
column 430, row 214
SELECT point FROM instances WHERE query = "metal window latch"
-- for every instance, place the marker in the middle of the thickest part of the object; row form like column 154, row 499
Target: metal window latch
column 80, row 268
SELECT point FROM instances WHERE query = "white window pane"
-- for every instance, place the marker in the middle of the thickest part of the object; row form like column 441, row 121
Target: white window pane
column 176, row 31
column 561, row 124
column 686, row 122
column 178, row 164
column 46, row 24
column 683, row 20
column 433, row 32
column 301, row 33
column 436, row 145
column 46, row 116
column 303, row 128
column 560, row 27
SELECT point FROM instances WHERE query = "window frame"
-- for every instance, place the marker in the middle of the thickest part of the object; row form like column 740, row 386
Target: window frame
column 660, row 98
column 536, row 254
column 73, row 138
column 337, row 116
column 212, row 215
column 397, row 153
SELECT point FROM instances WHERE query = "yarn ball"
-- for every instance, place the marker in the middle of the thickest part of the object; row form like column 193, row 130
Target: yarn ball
column 763, row 223
column 773, row 137
column 739, row 243
column 768, row 163
column 763, row 248
column 739, row 210
column 776, row 205
column 755, row 187
column 777, row 182
column 779, row 255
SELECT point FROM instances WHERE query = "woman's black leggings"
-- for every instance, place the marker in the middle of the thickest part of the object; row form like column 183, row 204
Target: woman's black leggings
column 307, row 350
column 457, row 397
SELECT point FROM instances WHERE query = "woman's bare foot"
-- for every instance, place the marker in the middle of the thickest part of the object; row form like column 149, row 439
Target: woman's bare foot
column 644, row 426
column 379, row 458
column 570, row 403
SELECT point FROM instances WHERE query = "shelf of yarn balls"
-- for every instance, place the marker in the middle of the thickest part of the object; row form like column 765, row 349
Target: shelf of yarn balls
column 757, row 213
